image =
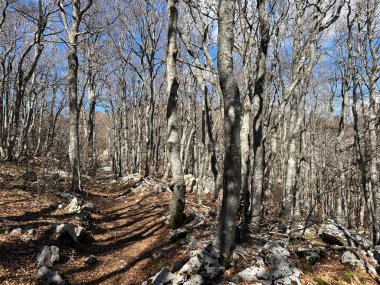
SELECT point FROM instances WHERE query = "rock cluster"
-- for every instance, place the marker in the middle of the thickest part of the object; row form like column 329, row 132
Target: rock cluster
column 191, row 183
column 272, row 267
column 73, row 233
column 332, row 232
column 48, row 256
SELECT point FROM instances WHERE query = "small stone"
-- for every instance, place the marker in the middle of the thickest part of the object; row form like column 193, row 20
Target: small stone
column 74, row 206
column 159, row 188
column 90, row 207
column 53, row 278
column 125, row 266
column 91, row 260
column 106, row 168
column 178, row 234
column 67, row 230
column 29, row 176
column 54, row 176
column 80, row 216
column 193, row 244
column 16, row 232
column 310, row 256
column 31, row 232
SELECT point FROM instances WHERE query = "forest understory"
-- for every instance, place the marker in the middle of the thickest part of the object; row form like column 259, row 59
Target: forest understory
column 127, row 238
column 169, row 142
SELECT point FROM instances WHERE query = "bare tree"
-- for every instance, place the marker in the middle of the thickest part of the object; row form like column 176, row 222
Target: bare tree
column 177, row 204
column 225, row 236
column 72, row 29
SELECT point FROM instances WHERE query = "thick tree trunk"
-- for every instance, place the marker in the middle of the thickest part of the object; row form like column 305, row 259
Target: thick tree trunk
column 74, row 118
column 177, row 204
column 257, row 209
column 225, row 236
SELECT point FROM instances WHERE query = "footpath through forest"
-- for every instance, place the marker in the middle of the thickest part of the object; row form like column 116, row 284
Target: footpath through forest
column 118, row 235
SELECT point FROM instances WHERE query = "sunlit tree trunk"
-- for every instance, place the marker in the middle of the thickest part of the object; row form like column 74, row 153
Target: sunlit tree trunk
column 177, row 204
column 225, row 236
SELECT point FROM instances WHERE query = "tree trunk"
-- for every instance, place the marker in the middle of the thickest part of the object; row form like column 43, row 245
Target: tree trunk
column 91, row 153
column 225, row 236
column 74, row 117
column 177, row 204
column 258, row 102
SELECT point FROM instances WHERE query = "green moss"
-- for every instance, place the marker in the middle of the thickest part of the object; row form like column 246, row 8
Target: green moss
column 360, row 278
column 347, row 277
column 310, row 236
column 320, row 281
column 178, row 217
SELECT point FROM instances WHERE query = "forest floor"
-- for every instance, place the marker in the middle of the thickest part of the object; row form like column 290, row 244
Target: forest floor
column 131, row 240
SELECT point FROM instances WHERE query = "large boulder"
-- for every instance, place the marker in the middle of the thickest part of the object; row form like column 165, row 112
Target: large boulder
column 281, row 268
column 333, row 233
column 274, row 266
column 349, row 258
column 254, row 273
column 48, row 256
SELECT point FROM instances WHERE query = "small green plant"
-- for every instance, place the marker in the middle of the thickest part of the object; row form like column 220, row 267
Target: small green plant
column 336, row 278
column 347, row 277
column 320, row 281
column 4, row 230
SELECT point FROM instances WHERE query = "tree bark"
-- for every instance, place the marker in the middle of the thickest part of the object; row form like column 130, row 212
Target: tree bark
column 177, row 204
column 257, row 209
column 225, row 236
